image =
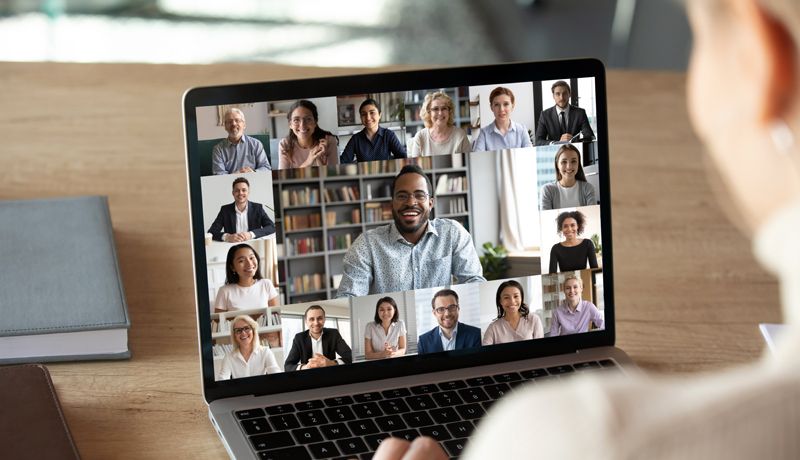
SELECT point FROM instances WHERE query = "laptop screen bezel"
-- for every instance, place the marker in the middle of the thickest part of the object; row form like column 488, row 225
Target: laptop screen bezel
column 376, row 83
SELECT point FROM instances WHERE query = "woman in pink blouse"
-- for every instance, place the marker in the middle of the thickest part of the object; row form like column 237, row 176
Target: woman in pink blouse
column 306, row 144
column 514, row 320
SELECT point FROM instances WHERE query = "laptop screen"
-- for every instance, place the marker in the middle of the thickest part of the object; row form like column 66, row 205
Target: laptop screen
column 369, row 226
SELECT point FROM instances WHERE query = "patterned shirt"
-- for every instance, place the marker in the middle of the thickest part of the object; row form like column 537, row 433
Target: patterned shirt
column 228, row 158
column 382, row 261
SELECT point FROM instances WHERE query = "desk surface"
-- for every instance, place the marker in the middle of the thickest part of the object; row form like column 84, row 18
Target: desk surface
column 689, row 294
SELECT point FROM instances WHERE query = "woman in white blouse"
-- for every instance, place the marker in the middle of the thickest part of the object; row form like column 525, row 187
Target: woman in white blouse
column 248, row 356
column 244, row 287
column 386, row 336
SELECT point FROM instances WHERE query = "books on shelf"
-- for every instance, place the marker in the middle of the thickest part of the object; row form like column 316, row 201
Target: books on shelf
column 345, row 193
column 306, row 283
column 451, row 184
column 336, row 242
column 377, row 212
column 302, row 196
column 300, row 246
column 458, row 205
column 301, row 221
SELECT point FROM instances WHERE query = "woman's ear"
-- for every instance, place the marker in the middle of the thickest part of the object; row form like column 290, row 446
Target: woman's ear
column 774, row 57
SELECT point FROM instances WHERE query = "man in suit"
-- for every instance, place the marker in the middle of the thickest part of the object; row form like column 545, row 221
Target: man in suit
column 238, row 153
column 241, row 220
column 449, row 334
column 563, row 121
column 317, row 346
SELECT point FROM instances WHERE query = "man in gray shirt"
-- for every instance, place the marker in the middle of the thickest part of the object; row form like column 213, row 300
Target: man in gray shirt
column 414, row 252
column 238, row 153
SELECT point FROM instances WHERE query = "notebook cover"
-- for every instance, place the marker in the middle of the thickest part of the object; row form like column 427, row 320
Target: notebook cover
column 59, row 270
column 31, row 422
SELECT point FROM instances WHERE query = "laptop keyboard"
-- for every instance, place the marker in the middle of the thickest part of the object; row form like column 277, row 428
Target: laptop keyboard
column 354, row 426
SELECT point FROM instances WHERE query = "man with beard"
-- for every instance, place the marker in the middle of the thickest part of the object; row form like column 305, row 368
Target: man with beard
column 450, row 334
column 238, row 153
column 563, row 121
column 413, row 252
column 243, row 219
column 317, row 346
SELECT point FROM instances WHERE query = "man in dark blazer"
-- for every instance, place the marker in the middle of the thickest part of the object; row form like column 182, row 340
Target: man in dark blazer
column 449, row 334
column 317, row 346
column 259, row 224
column 553, row 127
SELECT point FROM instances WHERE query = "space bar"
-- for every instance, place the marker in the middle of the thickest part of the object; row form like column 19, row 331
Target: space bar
column 289, row 453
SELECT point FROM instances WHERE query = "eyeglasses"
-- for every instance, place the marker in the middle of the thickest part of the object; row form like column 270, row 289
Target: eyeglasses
column 450, row 308
column 439, row 109
column 242, row 330
column 402, row 197
column 307, row 120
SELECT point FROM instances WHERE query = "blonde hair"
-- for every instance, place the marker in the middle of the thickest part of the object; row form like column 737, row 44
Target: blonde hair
column 250, row 322
column 424, row 111
column 573, row 276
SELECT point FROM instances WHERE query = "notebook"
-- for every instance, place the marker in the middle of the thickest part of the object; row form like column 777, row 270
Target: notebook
column 386, row 255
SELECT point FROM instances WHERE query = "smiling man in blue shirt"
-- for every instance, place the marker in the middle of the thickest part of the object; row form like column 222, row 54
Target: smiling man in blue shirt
column 414, row 251
column 373, row 142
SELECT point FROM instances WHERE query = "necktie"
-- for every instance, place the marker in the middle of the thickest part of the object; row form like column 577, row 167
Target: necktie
column 563, row 124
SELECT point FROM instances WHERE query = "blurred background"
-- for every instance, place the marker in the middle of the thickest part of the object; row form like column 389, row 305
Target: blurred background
column 643, row 34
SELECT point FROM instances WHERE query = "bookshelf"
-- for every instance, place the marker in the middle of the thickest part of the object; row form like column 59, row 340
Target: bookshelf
column 269, row 331
column 348, row 200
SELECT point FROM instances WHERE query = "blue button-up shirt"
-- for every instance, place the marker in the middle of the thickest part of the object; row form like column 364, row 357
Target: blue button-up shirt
column 228, row 158
column 448, row 344
column 490, row 138
column 381, row 260
column 360, row 148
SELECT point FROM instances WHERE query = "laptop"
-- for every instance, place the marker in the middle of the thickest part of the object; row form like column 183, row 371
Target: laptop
column 387, row 255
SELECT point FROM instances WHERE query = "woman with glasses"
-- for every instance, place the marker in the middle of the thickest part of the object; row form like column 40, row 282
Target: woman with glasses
column 244, row 286
column 440, row 135
column 503, row 132
column 248, row 356
column 386, row 336
column 514, row 320
column 306, row 144
column 573, row 253
column 570, row 188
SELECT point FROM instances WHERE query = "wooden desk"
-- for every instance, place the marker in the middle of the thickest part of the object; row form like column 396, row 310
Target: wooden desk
column 689, row 294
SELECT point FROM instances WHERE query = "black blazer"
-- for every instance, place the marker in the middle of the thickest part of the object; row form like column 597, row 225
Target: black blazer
column 257, row 220
column 548, row 129
column 332, row 343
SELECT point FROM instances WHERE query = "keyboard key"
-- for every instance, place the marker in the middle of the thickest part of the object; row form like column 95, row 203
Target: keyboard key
column 351, row 446
column 374, row 440
column 460, row 429
column 455, row 447
column 256, row 426
column 507, row 377
column 408, row 435
column 480, row 381
column 335, row 431
column 324, row 450
column 367, row 410
column 249, row 413
column 391, row 423
column 470, row 411
column 421, row 402
column 452, row 385
column 307, row 435
column 340, row 414
column 308, row 405
column 497, row 391
column 394, row 406
column 366, row 456
column 338, row 401
column 396, row 393
column 608, row 363
column 280, row 409
column 533, row 373
column 423, row 389
column 284, row 422
column 272, row 441
column 368, row 397
column 445, row 415
column 447, row 398
column 474, row 394
column 436, row 432
column 558, row 370
column 312, row 417
column 363, row 427
column 292, row 453
column 418, row 419
column 518, row 383
column 588, row 365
